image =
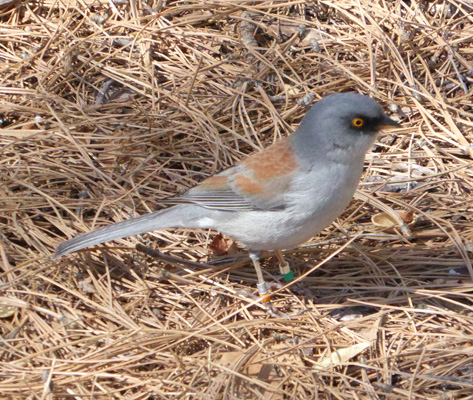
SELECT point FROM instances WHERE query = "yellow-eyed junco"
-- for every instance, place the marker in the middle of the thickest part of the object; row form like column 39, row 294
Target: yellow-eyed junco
column 279, row 197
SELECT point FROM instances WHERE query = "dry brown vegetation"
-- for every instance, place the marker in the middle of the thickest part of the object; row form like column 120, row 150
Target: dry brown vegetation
column 108, row 107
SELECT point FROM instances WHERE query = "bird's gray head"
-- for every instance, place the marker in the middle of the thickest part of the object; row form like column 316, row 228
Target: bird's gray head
column 342, row 123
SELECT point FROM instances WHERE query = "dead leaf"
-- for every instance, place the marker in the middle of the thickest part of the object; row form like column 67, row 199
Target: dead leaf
column 233, row 249
column 387, row 222
column 86, row 287
column 230, row 358
column 311, row 35
column 383, row 220
column 291, row 90
column 7, row 311
column 219, row 245
column 407, row 216
column 341, row 356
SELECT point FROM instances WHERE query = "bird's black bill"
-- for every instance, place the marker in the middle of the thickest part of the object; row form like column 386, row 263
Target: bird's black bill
column 387, row 123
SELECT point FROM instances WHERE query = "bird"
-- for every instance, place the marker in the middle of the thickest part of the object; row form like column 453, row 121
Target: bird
column 279, row 197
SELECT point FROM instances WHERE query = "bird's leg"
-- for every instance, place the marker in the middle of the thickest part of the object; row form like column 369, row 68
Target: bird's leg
column 262, row 286
column 284, row 267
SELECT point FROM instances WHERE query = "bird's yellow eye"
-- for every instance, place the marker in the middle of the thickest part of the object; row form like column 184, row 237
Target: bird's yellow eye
column 358, row 122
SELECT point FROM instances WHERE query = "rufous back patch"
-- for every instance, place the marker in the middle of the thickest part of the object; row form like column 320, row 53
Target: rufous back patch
column 214, row 182
column 275, row 160
column 247, row 186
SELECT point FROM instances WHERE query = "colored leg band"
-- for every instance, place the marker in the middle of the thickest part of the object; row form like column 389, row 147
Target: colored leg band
column 286, row 272
column 263, row 291
column 289, row 276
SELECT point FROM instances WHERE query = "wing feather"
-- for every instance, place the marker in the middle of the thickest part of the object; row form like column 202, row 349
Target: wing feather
column 258, row 183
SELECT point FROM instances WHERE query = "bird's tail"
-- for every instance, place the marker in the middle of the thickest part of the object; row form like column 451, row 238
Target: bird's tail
column 174, row 217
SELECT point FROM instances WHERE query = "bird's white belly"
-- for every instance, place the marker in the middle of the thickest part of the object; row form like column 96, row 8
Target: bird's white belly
column 280, row 230
column 313, row 210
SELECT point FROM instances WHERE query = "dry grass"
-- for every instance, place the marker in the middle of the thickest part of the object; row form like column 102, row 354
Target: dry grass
column 108, row 107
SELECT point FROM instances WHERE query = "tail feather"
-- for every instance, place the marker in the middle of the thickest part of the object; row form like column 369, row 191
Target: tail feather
column 168, row 218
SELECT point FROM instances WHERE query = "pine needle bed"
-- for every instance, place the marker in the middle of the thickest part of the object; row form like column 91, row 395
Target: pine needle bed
column 107, row 107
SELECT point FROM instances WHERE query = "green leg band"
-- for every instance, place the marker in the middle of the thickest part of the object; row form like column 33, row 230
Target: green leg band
column 288, row 277
column 286, row 272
